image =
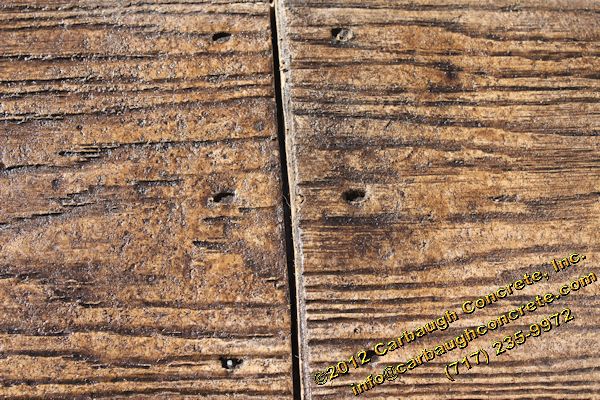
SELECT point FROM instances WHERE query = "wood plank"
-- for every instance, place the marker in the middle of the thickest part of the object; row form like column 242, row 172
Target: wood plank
column 437, row 151
column 141, row 224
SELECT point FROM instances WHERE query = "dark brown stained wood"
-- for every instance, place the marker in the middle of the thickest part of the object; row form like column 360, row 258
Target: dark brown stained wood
column 141, row 223
column 472, row 129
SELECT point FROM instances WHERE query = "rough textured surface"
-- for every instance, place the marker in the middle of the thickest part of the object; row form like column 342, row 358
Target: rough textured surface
column 472, row 127
column 141, row 239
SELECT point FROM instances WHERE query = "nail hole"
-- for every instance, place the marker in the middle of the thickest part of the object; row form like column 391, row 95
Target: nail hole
column 221, row 37
column 230, row 363
column 354, row 195
column 341, row 34
column 223, row 197
column 504, row 198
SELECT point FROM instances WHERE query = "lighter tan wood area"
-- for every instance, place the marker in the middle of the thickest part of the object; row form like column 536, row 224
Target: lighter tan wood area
column 141, row 227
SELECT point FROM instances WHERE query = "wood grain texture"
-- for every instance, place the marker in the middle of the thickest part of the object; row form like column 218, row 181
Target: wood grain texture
column 141, row 237
column 472, row 127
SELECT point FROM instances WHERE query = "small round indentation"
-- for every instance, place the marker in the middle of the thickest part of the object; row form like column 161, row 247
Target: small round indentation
column 225, row 197
column 354, row 196
column 221, row 37
column 55, row 183
column 229, row 362
column 340, row 34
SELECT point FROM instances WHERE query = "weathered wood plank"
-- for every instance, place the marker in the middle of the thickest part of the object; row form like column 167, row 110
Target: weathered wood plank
column 438, row 150
column 141, row 228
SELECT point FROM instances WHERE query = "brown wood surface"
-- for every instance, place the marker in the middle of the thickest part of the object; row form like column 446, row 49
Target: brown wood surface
column 436, row 151
column 472, row 127
column 141, row 227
